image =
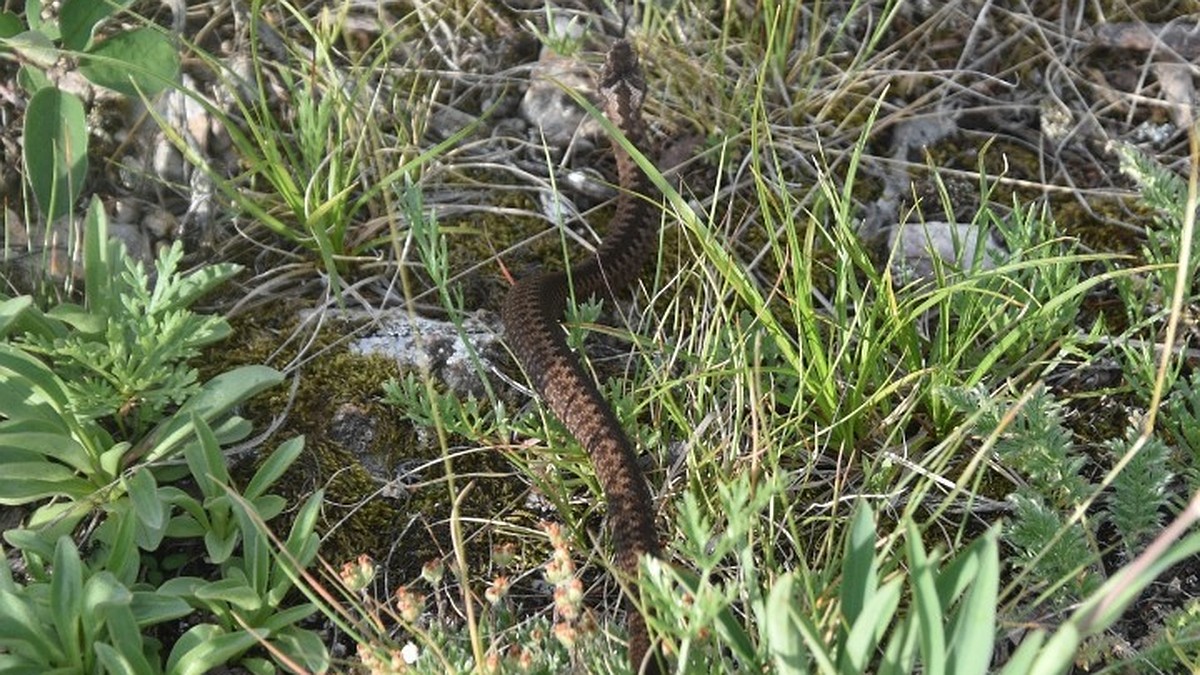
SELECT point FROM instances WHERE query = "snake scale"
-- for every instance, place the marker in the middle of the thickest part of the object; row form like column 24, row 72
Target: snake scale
column 532, row 313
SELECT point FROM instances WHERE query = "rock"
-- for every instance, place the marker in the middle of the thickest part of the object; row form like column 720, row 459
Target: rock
column 420, row 343
column 913, row 246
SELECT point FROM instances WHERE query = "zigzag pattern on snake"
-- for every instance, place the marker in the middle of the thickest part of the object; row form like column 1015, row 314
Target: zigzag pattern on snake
column 532, row 313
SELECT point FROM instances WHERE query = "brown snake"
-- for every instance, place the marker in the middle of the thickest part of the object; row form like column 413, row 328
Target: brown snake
column 532, row 312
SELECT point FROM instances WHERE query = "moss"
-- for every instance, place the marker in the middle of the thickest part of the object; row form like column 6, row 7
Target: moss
column 353, row 442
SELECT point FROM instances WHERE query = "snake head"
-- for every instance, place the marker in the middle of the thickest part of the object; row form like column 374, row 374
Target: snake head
column 621, row 85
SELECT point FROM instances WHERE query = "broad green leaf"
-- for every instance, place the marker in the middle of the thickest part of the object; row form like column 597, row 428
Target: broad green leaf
column 784, row 642
column 194, row 518
column 859, row 570
column 232, row 591
column 256, row 549
column 274, row 467
column 31, row 541
column 15, row 452
column 152, row 607
column 53, row 520
column 55, row 150
column 33, row 47
column 974, row 634
column 19, row 624
column 269, row 506
column 958, row 575
column 33, row 80
column 143, row 492
column 285, row 618
column 1058, row 653
column 232, row 429
column 301, row 548
column 181, row 586
column 124, row 635
column 815, row 641
column 10, row 24
column 22, row 401
column 30, row 379
column 205, row 647
column 11, row 664
column 101, row 590
column 141, row 59
column 112, row 459
column 205, row 460
column 114, row 662
column 864, row 634
column 78, row 318
column 185, row 527
column 98, row 266
column 77, row 19
column 257, row 666
column 120, row 532
column 899, row 655
column 304, row 646
column 6, row 578
column 215, row 398
column 10, row 309
column 24, row 490
column 66, row 598
column 33, row 14
column 929, row 617
column 301, row 542
column 32, row 320
column 220, row 544
column 36, row 470
column 51, row 443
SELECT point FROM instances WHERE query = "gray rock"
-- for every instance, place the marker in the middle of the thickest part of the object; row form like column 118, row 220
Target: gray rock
column 913, row 247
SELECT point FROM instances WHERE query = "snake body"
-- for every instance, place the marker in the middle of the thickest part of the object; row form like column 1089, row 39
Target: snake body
column 532, row 313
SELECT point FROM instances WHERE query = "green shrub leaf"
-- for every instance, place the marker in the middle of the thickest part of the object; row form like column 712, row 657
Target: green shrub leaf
column 152, row 607
column 859, row 574
column 782, row 632
column 10, row 24
column 66, row 597
column 303, row 646
column 31, row 390
column 206, row 647
column 928, row 606
column 99, row 269
column 231, row 591
column 22, row 633
column 33, row 80
column 30, row 440
column 55, row 150
column 11, row 309
column 973, row 636
column 215, row 398
column 274, row 467
column 870, row 627
column 114, row 662
column 138, row 60
column 124, row 635
column 30, row 481
column 143, row 492
column 34, row 47
column 78, row 18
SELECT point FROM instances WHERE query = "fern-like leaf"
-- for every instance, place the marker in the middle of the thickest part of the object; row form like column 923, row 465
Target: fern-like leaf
column 1139, row 493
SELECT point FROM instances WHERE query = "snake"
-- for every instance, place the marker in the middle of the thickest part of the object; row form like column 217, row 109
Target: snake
column 532, row 315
